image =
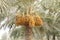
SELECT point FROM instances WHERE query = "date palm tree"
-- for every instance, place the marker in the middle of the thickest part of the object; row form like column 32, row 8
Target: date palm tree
column 29, row 21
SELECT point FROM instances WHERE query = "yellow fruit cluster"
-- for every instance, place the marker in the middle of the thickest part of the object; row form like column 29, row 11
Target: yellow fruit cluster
column 31, row 22
column 19, row 19
column 38, row 21
column 28, row 20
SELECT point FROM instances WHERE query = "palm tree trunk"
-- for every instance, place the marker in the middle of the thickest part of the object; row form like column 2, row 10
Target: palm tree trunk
column 28, row 33
column 48, row 37
column 53, row 36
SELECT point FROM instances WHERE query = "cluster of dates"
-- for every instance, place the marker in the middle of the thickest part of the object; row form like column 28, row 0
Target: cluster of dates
column 28, row 20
